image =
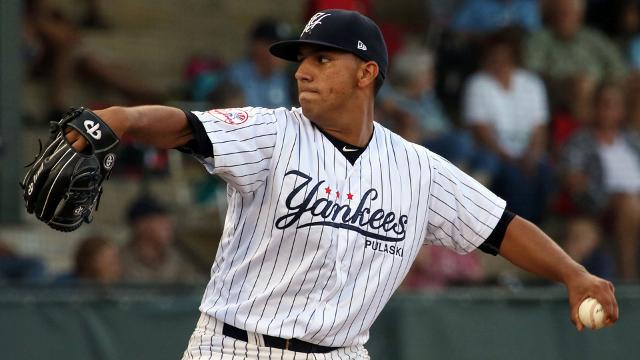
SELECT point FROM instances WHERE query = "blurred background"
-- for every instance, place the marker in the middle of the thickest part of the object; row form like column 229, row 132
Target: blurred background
column 537, row 99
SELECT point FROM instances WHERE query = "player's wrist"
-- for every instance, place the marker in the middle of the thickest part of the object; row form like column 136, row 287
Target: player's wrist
column 117, row 118
column 572, row 273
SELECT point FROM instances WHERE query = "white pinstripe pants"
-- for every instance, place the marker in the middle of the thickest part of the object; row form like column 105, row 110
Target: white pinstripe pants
column 208, row 342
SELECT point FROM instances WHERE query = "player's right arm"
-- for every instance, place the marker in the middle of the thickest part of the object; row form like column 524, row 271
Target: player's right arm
column 159, row 126
column 529, row 248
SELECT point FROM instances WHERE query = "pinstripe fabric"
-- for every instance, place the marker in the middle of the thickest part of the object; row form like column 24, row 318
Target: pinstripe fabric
column 220, row 347
column 313, row 247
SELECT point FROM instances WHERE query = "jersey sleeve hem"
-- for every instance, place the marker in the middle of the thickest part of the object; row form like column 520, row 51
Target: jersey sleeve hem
column 494, row 241
column 200, row 144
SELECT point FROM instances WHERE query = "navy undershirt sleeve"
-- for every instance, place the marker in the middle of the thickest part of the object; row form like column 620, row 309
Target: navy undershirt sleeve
column 493, row 242
column 200, row 144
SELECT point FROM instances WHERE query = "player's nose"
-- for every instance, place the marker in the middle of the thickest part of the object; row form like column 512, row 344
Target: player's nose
column 303, row 73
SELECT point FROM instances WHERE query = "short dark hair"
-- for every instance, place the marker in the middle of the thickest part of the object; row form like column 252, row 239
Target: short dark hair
column 509, row 37
column 145, row 206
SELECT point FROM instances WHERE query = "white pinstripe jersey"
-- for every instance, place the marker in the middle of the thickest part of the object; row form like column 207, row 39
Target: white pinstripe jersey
column 313, row 247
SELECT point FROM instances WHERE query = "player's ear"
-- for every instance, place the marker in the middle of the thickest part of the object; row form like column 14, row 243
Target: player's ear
column 367, row 73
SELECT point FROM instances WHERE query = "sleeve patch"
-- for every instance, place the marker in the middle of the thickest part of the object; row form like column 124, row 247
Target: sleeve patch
column 232, row 116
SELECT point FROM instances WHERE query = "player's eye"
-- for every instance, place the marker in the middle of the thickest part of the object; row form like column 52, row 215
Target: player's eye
column 323, row 59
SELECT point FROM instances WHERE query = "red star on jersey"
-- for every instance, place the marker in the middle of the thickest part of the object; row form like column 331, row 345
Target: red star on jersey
column 327, row 190
column 350, row 196
column 337, row 193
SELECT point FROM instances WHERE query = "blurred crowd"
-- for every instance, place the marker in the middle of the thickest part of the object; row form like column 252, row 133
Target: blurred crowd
column 152, row 254
column 537, row 100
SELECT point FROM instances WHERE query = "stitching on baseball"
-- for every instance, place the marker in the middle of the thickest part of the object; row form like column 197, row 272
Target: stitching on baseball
column 592, row 314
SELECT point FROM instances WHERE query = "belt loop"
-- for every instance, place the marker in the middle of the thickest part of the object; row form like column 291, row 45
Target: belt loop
column 286, row 344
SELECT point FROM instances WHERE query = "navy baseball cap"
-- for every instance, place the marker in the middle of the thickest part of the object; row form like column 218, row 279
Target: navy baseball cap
column 343, row 30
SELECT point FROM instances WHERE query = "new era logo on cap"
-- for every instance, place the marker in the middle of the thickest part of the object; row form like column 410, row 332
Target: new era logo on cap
column 361, row 45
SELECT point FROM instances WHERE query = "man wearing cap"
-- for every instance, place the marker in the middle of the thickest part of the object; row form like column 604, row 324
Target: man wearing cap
column 150, row 255
column 263, row 78
column 327, row 208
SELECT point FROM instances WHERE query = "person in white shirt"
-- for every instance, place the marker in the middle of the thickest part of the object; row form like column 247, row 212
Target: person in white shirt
column 506, row 108
column 600, row 167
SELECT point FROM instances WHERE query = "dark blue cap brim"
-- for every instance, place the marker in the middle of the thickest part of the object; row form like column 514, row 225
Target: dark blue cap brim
column 290, row 49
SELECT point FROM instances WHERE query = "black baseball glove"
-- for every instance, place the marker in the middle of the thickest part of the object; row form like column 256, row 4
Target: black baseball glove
column 63, row 187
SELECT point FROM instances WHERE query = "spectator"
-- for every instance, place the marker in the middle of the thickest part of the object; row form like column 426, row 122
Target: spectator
column 150, row 255
column 620, row 21
column 263, row 77
column 411, row 106
column 574, row 112
column 566, row 47
column 410, row 98
column 442, row 13
column 15, row 267
column 506, row 108
column 54, row 49
column 615, row 18
column 96, row 260
column 601, row 171
column 583, row 242
column 627, row 22
column 483, row 16
column 437, row 267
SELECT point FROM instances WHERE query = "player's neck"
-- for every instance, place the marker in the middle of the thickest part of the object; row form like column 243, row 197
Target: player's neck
column 352, row 127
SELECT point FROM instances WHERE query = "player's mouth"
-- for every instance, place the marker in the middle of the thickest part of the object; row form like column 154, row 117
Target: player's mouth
column 307, row 90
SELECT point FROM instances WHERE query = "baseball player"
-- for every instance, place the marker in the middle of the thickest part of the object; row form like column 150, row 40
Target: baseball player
column 328, row 209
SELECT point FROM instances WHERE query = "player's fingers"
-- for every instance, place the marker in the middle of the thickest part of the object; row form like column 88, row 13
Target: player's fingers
column 71, row 135
column 608, row 301
column 575, row 319
column 79, row 144
column 77, row 141
column 616, row 310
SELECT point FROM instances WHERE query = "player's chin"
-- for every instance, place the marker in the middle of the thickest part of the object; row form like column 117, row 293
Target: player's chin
column 308, row 105
column 308, row 97
column 311, row 111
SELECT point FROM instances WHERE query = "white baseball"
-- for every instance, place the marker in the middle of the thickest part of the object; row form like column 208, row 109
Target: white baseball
column 591, row 314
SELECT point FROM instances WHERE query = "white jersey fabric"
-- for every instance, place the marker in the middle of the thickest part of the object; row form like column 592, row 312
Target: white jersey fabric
column 313, row 247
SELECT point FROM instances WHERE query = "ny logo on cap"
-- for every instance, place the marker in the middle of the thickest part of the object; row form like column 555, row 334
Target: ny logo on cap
column 315, row 20
column 361, row 45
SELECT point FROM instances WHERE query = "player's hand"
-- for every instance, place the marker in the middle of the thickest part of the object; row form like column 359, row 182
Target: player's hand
column 584, row 285
column 77, row 141
column 110, row 116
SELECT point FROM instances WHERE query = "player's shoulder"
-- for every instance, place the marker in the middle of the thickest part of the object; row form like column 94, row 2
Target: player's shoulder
column 398, row 141
column 247, row 114
column 421, row 158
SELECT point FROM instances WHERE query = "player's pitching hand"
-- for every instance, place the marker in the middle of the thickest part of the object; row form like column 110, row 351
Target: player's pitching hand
column 584, row 285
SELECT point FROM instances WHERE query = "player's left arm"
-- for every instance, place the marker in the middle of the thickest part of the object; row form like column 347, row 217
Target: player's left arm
column 529, row 248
